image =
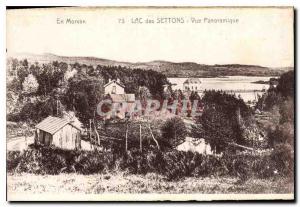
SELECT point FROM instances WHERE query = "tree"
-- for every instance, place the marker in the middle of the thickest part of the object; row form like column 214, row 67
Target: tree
column 277, row 96
column 283, row 134
column 194, row 96
column 50, row 76
column 144, row 93
column 38, row 110
column 286, row 84
column 287, row 111
column 83, row 95
column 223, row 120
column 282, row 98
column 217, row 129
column 30, row 84
column 173, row 132
column 167, row 92
column 153, row 80
column 272, row 99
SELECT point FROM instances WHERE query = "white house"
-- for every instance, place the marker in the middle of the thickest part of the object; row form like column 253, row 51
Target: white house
column 192, row 84
column 116, row 92
column 114, row 87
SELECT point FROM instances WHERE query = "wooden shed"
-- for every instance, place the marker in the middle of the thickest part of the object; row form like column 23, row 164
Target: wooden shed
column 58, row 132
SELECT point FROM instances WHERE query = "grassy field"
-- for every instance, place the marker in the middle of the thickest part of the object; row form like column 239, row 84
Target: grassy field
column 150, row 183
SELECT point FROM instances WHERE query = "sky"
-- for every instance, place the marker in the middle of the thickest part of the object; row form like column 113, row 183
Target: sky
column 260, row 36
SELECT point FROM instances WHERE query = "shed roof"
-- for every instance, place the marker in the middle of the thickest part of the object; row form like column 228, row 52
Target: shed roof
column 53, row 124
column 192, row 81
column 118, row 98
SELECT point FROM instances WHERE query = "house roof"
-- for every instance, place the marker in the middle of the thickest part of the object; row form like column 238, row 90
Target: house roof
column 118, row 98
column 114, row 81
column 192, row 81
column 53, row 124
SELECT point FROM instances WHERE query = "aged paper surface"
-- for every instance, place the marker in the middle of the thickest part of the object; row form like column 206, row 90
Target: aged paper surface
column 150, row 104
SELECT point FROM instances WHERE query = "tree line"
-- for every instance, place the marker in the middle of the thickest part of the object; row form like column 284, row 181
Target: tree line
column 36, row 90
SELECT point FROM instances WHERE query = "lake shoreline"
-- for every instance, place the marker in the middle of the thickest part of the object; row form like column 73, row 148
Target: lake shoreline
column 225, row 76
column 244, row 86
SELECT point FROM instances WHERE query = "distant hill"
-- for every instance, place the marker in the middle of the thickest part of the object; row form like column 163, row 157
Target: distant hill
column 170, row 69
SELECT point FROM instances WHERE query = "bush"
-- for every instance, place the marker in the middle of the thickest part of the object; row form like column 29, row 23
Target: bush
column 155, row 161
column 172, row 164
column 264, row 167
column 89, row 163
column 135, row 162
column 283, row 159
column 13, row 159
column 173, row 132
column 283, row 134
column 174, row 167
column 39, row 161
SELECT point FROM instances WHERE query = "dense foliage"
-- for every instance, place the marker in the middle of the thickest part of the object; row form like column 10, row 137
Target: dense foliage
column 281, row 133
column 222, row 121
column 35, row 90
column 82, row 95
column 275, row 96
column 173, row 132
column 280, row 99
column 133, row 79
column 172, row 164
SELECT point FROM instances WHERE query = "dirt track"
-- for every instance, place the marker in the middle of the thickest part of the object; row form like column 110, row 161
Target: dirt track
column 19, row 143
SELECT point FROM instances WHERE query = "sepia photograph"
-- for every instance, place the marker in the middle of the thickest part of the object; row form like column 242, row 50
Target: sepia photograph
column 150, row 104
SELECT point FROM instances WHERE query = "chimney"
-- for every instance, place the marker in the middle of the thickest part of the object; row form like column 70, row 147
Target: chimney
column 109, row 80
column 118, row 80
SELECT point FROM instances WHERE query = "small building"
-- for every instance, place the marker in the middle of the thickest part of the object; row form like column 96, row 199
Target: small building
column 115, row 91
column 126, row 103
column 114, row 87
column 121, row 98
column 58, row 132
column 195, row 145
column 192, row 84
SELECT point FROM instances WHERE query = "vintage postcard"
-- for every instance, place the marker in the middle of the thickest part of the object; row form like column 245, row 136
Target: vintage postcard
column 150, row 104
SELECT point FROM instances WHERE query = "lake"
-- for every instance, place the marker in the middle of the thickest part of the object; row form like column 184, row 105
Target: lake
column 229, row 83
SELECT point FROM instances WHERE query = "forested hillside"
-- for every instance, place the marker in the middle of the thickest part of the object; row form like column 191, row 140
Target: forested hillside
column 170, row 69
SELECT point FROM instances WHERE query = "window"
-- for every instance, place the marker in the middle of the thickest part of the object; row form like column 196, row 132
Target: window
column 113, row 90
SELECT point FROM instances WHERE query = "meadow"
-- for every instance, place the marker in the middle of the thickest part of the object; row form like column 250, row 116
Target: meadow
column 122, row 182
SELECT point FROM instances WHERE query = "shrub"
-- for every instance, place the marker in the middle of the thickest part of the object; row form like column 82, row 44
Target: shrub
column 283, row 159
column 173, row 132
column 283, row 133
column 155, row 161
column 172, row 164
column 13, row 159
column 174, row 167
column 264, row 167
column 88, row 163
column 30, row 161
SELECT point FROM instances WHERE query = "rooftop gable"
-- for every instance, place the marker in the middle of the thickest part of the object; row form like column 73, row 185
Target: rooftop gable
column 192, row 81
column 53, row 124
column 114, row 81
